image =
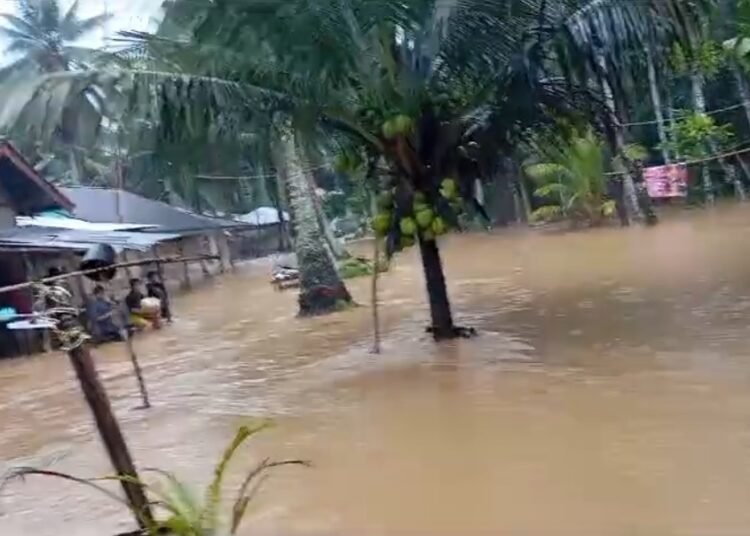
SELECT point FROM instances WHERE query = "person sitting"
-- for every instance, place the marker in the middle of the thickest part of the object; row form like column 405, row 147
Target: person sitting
column 140, row 318
column 102, row 321
column 156, row 289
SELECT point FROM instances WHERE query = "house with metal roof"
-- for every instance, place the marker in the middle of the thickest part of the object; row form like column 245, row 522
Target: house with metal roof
column 105, row 205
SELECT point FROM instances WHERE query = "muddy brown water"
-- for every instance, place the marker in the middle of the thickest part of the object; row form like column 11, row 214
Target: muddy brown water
column 608, row 393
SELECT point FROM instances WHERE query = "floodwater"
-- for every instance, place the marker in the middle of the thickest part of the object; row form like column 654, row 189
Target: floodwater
column 608, row 393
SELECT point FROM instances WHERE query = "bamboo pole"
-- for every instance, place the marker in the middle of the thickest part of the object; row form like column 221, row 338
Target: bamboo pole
column 185, row 269
column 374, row 297
column 137, row 369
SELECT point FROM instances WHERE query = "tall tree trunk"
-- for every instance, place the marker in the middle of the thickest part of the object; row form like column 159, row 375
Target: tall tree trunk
column 744, row 92
column 672, row 119
column 520, row 186
column 629, row 195
column 653, row 84
column 321, row 288
column 440, row 308
column 284, row 235
column 337, row 249
column 730, row 173
column 742, row 89
column 699, row 104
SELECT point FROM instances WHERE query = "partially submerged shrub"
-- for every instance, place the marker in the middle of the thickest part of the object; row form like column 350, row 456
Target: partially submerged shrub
column 359, row 266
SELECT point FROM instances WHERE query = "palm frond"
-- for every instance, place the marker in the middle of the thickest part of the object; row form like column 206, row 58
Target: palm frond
column 84, row 26
column 26, row 27
column 556, row 189
column 546, row 172
column 546, row 213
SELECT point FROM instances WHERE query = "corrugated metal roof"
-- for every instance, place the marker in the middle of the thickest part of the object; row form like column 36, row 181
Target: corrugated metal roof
column 102, row 205
column 62, row 222
column 79, row 240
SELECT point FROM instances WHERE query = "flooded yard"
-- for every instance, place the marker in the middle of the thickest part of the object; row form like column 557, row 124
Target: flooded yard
column 608, row 393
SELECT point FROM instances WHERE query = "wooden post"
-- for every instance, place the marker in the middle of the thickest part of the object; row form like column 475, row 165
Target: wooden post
column 30, row 339
column 185, row 268
column 159, row 267
column 128, row 271
column 217, row 240
column 231, row 246
column 137, row 369
column 206, row 245
column 110, row 433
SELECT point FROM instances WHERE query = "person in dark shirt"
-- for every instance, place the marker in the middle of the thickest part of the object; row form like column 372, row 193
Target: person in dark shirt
column 155, row 289
column 138, row 317
column 102, row 313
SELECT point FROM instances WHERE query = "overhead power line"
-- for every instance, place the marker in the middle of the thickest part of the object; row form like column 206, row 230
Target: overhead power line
column 253, row 177
column 709, row 112
column 718, row 156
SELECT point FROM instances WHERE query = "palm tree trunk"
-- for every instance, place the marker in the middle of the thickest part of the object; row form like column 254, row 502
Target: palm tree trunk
column 321, row 288
column 742, row 89
column 629, row 194
column 699, row 101
column 672, row 119
column 653, row 84
column 744, row 92
column 699, row 104
column 525, row 212
column 284, row 225
column 440, row 308
column 336, row 248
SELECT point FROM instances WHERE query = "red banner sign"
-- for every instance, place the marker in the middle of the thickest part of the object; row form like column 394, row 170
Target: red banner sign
column 666, row 181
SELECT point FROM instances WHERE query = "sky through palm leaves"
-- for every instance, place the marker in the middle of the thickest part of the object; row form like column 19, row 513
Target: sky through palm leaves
column 140, row 15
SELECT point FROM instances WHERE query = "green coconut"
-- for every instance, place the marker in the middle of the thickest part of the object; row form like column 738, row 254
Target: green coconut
column 424, row 218
column 408, row 226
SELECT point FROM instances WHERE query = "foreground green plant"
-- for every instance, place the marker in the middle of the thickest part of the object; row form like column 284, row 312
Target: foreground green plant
column 185, row 513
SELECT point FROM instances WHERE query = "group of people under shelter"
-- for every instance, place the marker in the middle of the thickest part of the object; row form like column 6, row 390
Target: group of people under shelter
column 110, row 319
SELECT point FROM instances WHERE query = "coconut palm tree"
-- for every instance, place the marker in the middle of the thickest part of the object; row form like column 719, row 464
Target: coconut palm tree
column 44, row 38
column 321, row 287
column 436, row 89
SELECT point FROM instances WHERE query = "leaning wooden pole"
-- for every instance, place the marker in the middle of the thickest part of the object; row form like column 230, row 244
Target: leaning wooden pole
column 111, row 434
column 56, row 304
